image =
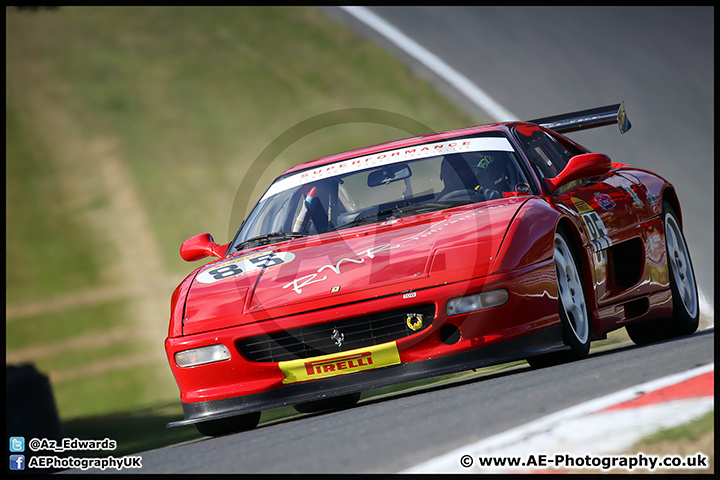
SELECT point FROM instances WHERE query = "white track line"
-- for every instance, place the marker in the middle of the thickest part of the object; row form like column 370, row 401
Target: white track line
column 707, row 312
column 433, row 62
column 511, row 439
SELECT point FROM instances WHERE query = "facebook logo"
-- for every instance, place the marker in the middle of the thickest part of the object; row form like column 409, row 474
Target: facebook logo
column 17, row 444
column 17, row 462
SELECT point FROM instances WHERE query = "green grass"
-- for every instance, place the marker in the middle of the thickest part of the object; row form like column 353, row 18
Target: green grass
column 615, row 338
column 46, row 251
column 689, row 431
column 118, row 390
column 80, row 358
column 63, row 325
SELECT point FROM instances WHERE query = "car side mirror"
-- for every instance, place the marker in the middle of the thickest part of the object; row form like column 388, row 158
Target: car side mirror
column 201, row 246
column 579, row 167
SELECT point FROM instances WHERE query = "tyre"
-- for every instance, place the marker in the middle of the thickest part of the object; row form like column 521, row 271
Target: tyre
column 225, row 426
column 683, row 286
column 334, row 403
column 572, row 308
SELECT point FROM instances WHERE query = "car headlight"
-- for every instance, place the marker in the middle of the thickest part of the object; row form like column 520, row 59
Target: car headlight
column 479, row 301
column 202, row 355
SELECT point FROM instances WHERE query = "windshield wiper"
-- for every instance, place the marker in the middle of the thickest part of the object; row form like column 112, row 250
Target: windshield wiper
column 269, row 238
column 371, row 216
column 404, row 210
column 361, row 220
column 440, row 204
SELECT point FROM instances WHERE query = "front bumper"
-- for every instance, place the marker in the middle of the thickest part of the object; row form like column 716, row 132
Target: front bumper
column 539, row 342
column 528, row 324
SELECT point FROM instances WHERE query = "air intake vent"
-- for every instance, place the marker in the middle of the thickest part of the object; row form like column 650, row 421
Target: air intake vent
column 323, row 338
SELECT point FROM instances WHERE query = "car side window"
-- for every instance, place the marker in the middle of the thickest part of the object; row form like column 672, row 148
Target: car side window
column 547, row 153
column 566, row 150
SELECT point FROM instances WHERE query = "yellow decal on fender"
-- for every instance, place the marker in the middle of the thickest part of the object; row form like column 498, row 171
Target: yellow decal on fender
column 596, row 230
column 581, row 205
column 342, row 363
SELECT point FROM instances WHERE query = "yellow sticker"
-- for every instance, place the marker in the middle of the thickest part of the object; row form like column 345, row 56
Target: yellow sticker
column 414, row 321
column 336, row 364
column 581, row 205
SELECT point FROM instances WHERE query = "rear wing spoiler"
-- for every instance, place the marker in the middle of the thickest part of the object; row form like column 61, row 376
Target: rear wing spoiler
column 584, row 119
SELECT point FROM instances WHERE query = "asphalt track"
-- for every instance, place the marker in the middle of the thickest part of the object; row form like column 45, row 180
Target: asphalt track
column 535, row 62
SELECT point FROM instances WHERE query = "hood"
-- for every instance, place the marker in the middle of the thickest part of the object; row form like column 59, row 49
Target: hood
column 350, row 265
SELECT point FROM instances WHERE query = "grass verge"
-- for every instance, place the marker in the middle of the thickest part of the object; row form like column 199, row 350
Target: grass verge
column 689, row 441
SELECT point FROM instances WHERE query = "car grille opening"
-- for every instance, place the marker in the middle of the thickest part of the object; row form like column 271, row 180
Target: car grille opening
column 322, row 338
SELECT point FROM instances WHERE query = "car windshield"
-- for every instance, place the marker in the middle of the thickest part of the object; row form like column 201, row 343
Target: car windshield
column 376, row 187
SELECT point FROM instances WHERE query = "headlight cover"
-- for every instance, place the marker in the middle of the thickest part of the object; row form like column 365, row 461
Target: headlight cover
column 202, row 355
column 478, row 301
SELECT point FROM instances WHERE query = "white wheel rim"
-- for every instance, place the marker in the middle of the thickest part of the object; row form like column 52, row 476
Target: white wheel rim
column 679, row 259
column 570, row 291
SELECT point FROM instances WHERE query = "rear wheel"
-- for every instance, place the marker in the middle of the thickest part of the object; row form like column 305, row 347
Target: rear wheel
column 225, row 426
column 334, row 403
column 686, row 310
column 572, row 308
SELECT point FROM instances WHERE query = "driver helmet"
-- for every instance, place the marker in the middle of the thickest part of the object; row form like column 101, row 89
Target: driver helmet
column 490, row 171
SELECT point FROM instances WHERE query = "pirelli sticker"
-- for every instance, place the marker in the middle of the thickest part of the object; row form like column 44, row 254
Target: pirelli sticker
column 337, row 364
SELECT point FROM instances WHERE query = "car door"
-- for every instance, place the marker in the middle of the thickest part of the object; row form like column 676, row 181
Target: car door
column 608, row 210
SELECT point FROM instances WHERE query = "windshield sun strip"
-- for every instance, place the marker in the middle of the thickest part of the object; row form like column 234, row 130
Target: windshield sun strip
column 393, row 156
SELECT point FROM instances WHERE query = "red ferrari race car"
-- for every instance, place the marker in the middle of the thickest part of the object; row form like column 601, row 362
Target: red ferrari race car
column 427, row 256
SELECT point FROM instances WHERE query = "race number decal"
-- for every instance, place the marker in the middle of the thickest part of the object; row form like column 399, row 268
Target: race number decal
column 596, row 230
column 245, row 264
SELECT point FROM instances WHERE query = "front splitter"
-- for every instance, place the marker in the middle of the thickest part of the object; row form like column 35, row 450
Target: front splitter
column 540, row 342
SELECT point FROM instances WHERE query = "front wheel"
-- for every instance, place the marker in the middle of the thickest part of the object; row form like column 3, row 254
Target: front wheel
column 686, row 310
column 572, row 308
